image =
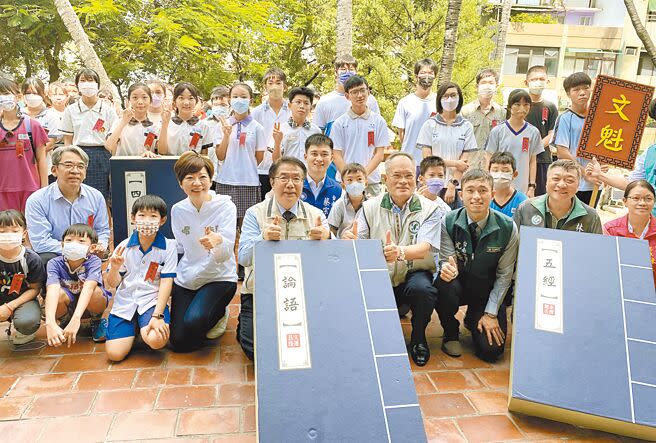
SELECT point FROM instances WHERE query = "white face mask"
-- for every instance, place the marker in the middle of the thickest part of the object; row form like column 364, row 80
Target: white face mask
column 355, row 189
column 502, row 179
column 33, row 100
column 220, row 111
column 10, row 240
column 450, row 104
column 147, row 227
column 157, row 100
column 7, row 102
column 74, row 251
column 88, row 89
column 487, row 90
column 536, row 87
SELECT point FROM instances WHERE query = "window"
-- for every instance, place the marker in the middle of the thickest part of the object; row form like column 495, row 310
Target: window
column 645, row 66
column 519, row 59
column 592, row 63
column 585, row 20
column 651, row 11
column 631, row 50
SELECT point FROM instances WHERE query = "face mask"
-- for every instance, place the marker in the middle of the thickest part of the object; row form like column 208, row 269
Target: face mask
column 435, row 185
column 240, row 105
column 33, row 100
column 74, row 251
column 486, row 90
column 426, row 81
column 7, row 102
column 147, row 227
column 275, row 92
column 220, row 111
column 59, row 98
column 157, row 100
column 10, row 240
column 344, row 76
column 536, row 87
column 449, row 104
column 88, row 89
column 355, row 189
column 502, row 179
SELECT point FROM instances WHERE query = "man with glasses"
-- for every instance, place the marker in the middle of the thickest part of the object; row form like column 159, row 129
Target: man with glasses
column 282, row 217
column 360, row 135
column 51, row 210
column 409, row 226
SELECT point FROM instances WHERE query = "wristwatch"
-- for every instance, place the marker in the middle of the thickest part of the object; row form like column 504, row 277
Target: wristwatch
column 531, row 185
column 158, row 316
column 454, row 182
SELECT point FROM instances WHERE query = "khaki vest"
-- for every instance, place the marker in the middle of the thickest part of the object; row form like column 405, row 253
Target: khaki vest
column 380, row 219
column 297, row 229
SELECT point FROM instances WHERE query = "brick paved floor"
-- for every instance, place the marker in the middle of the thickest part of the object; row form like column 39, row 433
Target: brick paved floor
column 77, row 395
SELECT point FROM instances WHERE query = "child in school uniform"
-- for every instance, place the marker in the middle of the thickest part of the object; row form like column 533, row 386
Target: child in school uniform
column 21, row 278
column 289, row 137
column 36, row 106
column 241, row 150
column 185, row 131
column 22, row 151
column 74, row 288
column 158, row 93
column 503, row 170
column 220, row 101
column 342, row 214
column 432, row 181
column 134, row 134
column 85, row 124
column 142, row 270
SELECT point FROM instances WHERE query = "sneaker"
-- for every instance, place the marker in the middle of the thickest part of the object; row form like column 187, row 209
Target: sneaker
column 452, row 348
column 99, row 330
column 21, row 339
column 220, row 326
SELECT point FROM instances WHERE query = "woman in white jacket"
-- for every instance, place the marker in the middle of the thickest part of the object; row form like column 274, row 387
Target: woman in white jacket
column 204, row 226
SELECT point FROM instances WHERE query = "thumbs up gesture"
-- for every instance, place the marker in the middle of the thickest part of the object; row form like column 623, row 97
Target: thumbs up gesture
column 449, row 269
column 273, row 231
column 391, row 250
column 210, row 239
column 351, row 234
column 319, row 231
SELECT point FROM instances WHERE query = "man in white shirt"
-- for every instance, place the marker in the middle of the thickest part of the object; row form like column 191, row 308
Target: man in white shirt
column 414, row 109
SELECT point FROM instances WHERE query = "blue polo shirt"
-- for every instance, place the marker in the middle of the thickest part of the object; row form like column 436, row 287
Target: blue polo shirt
column 329, row 192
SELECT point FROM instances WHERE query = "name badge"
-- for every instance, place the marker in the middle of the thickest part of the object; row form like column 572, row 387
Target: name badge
column 23, row 137
column 525, row 144
column 242, row 139
column 98, row 127
column 150, row 139
column 151, row 274
column 16, row 283
column 370, row 138
column 545, row 114
column 493, row 249
column 90, row 220
column 495, row 123
column 20, row 148
column 195, row 138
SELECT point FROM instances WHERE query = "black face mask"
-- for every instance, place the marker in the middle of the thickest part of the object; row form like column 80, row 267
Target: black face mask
column 426, row 82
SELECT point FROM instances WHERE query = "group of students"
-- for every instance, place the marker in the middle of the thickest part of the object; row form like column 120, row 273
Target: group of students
column 448, row 212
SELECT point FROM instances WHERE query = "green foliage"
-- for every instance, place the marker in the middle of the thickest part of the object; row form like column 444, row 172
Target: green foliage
column 524, row 17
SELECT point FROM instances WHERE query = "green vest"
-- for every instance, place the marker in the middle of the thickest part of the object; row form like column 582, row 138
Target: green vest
column 297, row 228
column 478, row 268
column 380, row 219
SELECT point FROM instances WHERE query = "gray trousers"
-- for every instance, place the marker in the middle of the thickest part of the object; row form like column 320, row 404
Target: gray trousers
column 27, row 317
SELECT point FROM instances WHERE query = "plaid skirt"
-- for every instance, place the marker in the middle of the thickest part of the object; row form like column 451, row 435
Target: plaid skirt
column 242, row 196
column 98, row 170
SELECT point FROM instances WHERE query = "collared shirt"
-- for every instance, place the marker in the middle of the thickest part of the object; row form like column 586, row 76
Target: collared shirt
column 505, row 267
column 333, row 105
column 567, row 133
column 48, row 215
column 138, row 290
column 251, row 233
column 72, row 280
column 411, row 114
column 551, row 221
column 482, row 121
column 216, row 133
column 185, row 136
column 18, row 171
column 342, row 214
column 315, row 187
column 88, row 126
column 267, row 117
column 133, row 138
column 293, row 140
column 351, row 135
column 239, row 167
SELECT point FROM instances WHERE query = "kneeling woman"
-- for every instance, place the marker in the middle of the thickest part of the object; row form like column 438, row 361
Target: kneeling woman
column 204, row 226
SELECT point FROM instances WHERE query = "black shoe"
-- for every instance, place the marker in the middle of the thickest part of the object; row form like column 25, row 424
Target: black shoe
column 420, row 354
column 240, row 273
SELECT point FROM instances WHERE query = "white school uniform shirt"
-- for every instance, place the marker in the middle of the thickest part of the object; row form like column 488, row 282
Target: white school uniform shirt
column 216, row 134
column 180, row 133
column 334, row 104
column 523, row 144
column 155, row 118
column 198, row 266
column 293, row 142
column 266, row 116
column 342, row 214
column 350, row 134
column 239, row 167
column 50, row 120
column 135, row 293
column 411, row 114
column 79, row 121
column 133, row 137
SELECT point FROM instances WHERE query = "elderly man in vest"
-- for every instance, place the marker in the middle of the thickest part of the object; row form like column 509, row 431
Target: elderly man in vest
column 477, row 257
column 283, row 217
column 409, row 226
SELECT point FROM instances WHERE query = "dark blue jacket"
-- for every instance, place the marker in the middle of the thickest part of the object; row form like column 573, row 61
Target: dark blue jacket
column 329, row 193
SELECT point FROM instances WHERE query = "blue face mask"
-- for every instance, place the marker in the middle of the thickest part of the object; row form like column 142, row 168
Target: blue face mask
column 344, row 76
column 435, row 185
column 355, row 189
column 240, row 105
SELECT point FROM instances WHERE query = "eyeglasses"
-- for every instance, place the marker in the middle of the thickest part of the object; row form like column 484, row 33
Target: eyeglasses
column 69, row 166
column 285, row 179
column 647, row 199
column 358, row 92
column 301, row 103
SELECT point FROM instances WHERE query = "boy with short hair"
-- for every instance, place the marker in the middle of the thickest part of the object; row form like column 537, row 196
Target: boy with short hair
column 543, row 115
column 75, row 287
column 21, row 278
column 354, row 180
column 289, row 137
column 503, row 170
column 142, row 270
column 360, row 135
column 319, row 190
column 432, row 180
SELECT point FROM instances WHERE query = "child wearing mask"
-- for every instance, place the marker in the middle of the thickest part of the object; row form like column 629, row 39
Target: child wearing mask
column 74, row 287
column 342, row 214
column 158, row 93
column 21, row 278
column 432, row 180
column 220, row 101
column 503, row 170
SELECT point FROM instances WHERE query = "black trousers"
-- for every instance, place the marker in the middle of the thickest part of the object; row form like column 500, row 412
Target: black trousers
column 193, row 313
column 541, row 179
column 265, row 185
column 419, row 293
column 245, row 326
column 451, row 297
